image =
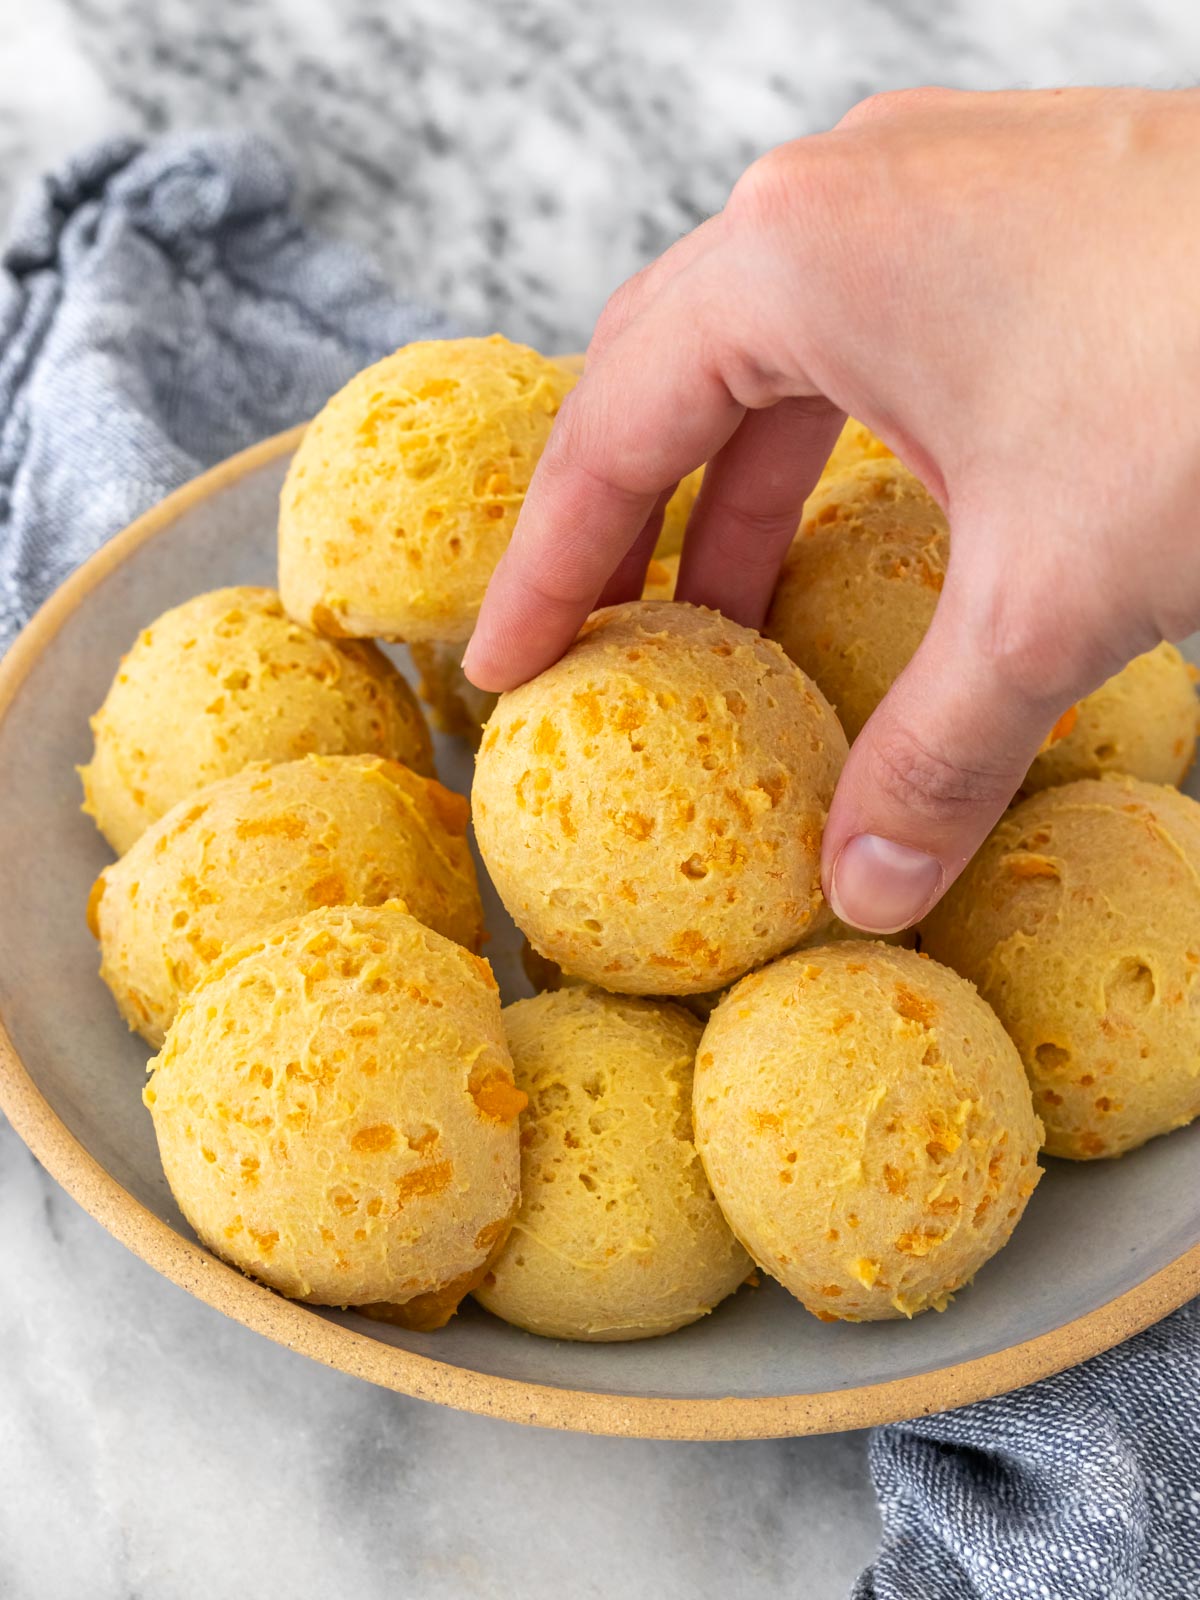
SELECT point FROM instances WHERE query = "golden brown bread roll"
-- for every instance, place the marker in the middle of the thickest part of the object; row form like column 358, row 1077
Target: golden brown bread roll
column 1079, row 920
column 1141, row 722
column 406, row 487
column 618, row 1235
column 336, row 1113
column 650, row 808
column 270, row 843
column 860, row 584
column 225, row 679
column 866, row 1127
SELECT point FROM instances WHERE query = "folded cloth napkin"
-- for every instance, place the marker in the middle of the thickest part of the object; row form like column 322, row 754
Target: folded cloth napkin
column 1085, row 1486
column 162, row 307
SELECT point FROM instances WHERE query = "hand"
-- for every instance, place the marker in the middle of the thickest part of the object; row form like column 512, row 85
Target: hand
column 1006, row 288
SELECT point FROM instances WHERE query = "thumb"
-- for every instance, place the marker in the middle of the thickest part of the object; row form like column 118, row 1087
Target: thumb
column 932, row 770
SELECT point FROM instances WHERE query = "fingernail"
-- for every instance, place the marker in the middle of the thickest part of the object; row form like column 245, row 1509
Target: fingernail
column 470, row 662
column 881, row 886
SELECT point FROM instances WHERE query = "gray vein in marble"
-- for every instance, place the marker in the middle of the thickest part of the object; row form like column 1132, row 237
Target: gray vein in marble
column 514, row 161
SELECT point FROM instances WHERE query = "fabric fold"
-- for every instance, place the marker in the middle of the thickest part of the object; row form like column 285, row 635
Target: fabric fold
column 1085, row 1486
column 162, row 307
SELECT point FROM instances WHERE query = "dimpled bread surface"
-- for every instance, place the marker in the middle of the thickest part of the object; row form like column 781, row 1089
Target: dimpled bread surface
column 336, row 1113
column 548, row 975
column 1079, row 920
column 618, row 1235
column 650, row 808
column 1141, row 722
column 860, row 584
column 406, row 487
column 866, row 1127
column 456, row 705
column 225, row 679
column 272, row 843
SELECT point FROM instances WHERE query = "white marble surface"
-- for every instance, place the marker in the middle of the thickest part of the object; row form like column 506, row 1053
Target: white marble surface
column 512, row 160
column 151, row 1448
column 515, row 159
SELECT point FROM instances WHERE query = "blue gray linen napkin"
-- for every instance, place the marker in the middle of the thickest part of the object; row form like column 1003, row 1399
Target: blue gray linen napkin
column 163, row 307
column 1085, row 1486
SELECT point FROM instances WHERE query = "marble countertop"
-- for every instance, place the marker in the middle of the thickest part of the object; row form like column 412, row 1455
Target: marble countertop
column 512, row 161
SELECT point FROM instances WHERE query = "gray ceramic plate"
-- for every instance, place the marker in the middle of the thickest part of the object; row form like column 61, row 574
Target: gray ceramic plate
column 1104, row 1249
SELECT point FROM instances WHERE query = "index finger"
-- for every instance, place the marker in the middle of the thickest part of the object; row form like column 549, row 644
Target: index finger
column 653, row 406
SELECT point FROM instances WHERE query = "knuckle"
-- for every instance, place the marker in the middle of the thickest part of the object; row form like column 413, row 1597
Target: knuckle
column 575, row 438
column 808, row 198
column 584, row 452
column 921, row 779
column 753, row 538
column 617, row 311
column 766, row 193
column 553, row 591
column 869, row 108
column 894, row 102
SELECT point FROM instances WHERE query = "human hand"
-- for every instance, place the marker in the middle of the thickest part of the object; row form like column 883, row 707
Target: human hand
column 1004, row 287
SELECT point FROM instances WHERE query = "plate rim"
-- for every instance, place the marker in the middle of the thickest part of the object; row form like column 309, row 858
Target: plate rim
column 297, row 1327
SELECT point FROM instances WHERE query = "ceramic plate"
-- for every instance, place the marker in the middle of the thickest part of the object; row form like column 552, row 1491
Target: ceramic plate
column 1103, row 1250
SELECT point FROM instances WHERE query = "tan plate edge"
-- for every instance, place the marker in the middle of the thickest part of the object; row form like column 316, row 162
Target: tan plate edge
column 186, row 1263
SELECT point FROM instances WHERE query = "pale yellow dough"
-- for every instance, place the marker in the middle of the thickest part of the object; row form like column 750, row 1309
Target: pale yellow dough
column 336, row 1113
column 1141, row 722
column 866, row 1127
column 858, row 591
column 860, row 584
column 226, row 679
column 405, row 490
column 1079, row 919
column 650, row 808
column 618, row 1235
column 271, row 843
